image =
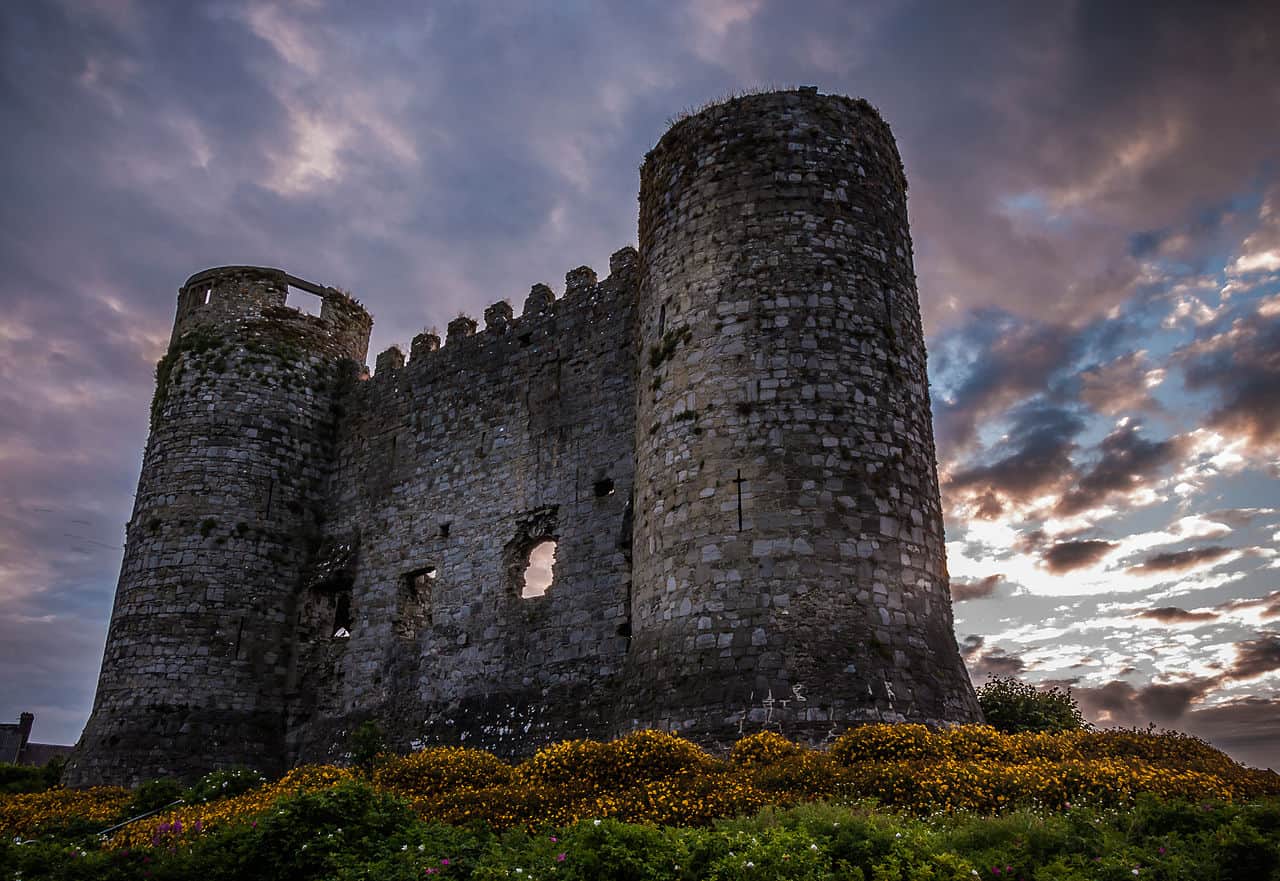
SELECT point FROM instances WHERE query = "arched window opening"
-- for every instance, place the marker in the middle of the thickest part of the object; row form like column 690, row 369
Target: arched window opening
column 538, row 570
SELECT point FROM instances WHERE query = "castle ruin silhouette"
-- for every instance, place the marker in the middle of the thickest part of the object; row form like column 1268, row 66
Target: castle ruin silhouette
column 728, row 438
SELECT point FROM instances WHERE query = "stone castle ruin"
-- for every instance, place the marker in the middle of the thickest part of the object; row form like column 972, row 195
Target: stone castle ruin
column 728, row 439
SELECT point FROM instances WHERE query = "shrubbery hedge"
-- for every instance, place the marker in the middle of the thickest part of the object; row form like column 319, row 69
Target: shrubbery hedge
column 660, row 780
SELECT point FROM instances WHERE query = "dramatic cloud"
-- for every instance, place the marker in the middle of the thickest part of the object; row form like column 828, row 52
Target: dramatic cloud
column 1096, row 221
column 1125, row 462
column 1256, row 657
column 1177, row 561
column 992, row 364
column 1241, row 367
column 1040, row 459
column 1121, row 387
column 1121, row 704
column 1244, row 727
column 1068, row 555
column 1174, row 615
column 1269, row 605
column 962, row 590
column 983, row 662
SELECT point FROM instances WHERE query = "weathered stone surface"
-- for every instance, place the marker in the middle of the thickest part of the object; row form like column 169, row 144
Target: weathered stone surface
column 312, row 547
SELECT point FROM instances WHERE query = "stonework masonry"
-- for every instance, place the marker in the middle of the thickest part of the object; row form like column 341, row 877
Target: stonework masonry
column 728, row 438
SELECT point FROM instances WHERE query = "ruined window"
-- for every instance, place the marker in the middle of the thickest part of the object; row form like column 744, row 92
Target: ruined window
column 604, row 488
column 538, row 570
column 529, row 558
column 303, row 301
column 416, row 606
column 342, row 616
column 444, row 530
column 208, row 295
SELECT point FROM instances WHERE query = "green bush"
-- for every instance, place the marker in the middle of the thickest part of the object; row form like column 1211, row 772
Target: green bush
column 1013, row 706
column 366, row 743
column 27, row 778
column 153, row 795
column 353, row 833
column 223, row 784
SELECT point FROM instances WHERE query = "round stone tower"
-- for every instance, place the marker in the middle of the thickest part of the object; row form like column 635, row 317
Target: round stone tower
column 789, row 570
column 195, row 672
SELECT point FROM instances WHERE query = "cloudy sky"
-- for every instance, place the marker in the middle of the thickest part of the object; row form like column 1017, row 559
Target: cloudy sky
column 1095, row 202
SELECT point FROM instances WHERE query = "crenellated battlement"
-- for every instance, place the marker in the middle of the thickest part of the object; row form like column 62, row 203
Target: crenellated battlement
column 583, row 291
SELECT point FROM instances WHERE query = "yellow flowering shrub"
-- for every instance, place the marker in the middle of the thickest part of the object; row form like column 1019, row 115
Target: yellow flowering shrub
column 803, row 776
column 636, row 758
column 502, row 806
column 687, row 800
column 764, row 748
column 973, row 742
column 26, row 813
column 441, row 769
column 885, row 742
column 659, row 778
column 170, row 826
column 987, row 785
column 586, row 762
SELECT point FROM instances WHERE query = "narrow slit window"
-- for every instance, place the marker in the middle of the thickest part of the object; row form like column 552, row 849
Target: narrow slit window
column 208, row 295
column 538, row 571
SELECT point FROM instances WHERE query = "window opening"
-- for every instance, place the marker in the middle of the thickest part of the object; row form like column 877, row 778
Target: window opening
column 208, row 295
column 604, row 488
column 303, row 301
column 444, row 529
column 416, row 601
column 342, row 616
column 662, row 319
column 538, row 570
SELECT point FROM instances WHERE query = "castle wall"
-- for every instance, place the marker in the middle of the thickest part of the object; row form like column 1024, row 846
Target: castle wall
column 729, row 439
column 457, row 463
column 789, row 562
column 229, row 501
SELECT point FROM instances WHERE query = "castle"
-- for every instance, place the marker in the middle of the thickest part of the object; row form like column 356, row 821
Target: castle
column 728, row 439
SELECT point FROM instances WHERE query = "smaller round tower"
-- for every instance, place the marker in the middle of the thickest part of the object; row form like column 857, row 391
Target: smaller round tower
column 195, row 671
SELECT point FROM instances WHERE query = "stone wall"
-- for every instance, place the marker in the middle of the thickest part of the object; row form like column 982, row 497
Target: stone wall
column 453, row 466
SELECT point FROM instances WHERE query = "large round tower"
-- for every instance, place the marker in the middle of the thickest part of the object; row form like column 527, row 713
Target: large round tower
column 789, row 569
column 242, row 429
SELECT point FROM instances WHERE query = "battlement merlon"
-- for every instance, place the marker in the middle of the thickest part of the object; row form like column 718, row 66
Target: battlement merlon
column 230, row 295
column 582, row 290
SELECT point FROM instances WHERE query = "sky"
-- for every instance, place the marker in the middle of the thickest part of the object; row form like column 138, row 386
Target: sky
column 1094, row 201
